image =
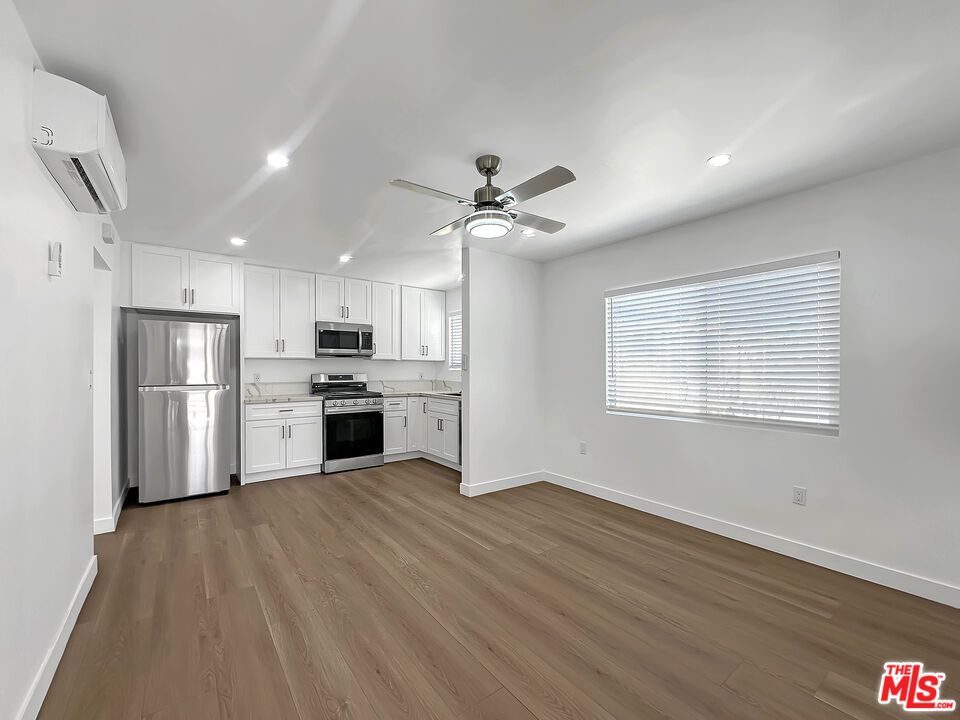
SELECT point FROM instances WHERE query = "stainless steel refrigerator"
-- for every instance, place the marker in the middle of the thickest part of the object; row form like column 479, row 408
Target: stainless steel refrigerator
column 184, row 420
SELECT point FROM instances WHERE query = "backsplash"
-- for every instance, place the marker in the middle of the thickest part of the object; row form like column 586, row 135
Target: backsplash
column 273, row 389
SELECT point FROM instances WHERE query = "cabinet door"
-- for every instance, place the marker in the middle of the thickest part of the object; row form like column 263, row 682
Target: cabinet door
column 303, row 442
column 261, row 312
column 297, row 308
column 411, row 301
column 395, row 432
column 265, row 445
column 434, row 435
column 330, row 304
column 416, row 419
column 434, row 320
column 386, row 321
column 450, row 430
column 214, row 283
column 356, row 296
column 160, row 277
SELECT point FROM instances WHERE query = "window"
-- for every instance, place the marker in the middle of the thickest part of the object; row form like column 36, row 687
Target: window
column 454, row 349
column 756, row 345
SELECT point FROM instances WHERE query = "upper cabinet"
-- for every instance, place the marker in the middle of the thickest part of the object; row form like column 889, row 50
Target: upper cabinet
column 386, row 321
column 422, row 319
column 174, row 279
column 344, row 299
column 278, row 313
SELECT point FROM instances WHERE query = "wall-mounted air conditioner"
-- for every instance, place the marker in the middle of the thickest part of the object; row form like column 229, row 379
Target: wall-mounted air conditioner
column 74, row 135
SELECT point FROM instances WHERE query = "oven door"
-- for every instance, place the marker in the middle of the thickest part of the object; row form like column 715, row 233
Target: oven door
column 352, row 438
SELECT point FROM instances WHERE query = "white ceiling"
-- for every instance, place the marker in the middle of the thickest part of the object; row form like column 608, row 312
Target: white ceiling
column 632, row 96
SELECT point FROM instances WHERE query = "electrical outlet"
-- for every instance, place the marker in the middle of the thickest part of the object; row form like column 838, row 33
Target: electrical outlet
column 421, row 375
column 799, row 495
column 583, row 447
column 256, row 377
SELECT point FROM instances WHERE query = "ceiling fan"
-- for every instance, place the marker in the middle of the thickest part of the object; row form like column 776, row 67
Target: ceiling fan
column 493, row 213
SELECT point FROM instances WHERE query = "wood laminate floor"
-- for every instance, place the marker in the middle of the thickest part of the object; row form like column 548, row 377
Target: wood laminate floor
column 385, row 594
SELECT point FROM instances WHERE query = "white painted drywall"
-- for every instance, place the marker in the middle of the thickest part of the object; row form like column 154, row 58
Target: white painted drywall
column 886, row 490
column 503, row 420
column 45, row 425
column 103, row 390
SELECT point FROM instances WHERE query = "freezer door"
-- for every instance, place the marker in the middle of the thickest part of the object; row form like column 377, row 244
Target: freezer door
column 184, row 442
column 178, row 352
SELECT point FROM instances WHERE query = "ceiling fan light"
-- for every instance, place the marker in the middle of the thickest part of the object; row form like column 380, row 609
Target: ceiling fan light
column 489, row 224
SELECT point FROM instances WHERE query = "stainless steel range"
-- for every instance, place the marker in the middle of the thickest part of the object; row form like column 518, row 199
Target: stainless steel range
column 352, row 421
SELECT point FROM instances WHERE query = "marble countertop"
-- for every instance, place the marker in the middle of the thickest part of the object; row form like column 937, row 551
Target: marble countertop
column 260, row 399
column 422, row 393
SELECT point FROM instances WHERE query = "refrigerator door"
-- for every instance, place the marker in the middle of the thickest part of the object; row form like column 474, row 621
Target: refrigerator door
column 177, row 352
column 183, row 443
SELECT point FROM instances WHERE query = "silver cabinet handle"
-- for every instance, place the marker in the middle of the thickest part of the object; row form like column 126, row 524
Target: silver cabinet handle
column 193, row 297
column 283, row 433
column 341, row 311
column 289, row 431
column 287, row 410
column 374, row 348
column 283, row 345
column 276, row 344
column 184, row 296
column 428, row 350
column 424, row 408
column 348, row 312
column 441, row 424
column 404, row 420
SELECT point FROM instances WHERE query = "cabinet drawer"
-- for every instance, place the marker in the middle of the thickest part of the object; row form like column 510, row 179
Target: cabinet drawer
column 450, row 407
column 279, row 411
column 399, row 403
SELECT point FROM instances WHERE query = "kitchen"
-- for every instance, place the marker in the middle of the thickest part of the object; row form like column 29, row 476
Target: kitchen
column 309, row 345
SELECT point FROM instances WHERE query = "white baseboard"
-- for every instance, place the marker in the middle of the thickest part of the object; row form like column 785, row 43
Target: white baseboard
column 30, row 707
column 109, row 524
column 279, row 474
column 417, row 455
column 898, row 579
column 500, row 484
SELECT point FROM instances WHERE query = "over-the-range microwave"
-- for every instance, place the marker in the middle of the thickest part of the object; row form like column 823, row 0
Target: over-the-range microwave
column 336, row 339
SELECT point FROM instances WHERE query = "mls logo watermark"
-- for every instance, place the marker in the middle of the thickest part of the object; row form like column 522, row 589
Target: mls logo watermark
column 915, row 690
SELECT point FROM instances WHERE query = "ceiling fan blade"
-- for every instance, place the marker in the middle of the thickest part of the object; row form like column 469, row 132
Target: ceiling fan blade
column 536, row 222
column 544, row 182
column 424, row 190
column 447, row 229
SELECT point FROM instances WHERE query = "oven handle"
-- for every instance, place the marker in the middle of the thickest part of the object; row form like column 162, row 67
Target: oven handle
column 351, row 410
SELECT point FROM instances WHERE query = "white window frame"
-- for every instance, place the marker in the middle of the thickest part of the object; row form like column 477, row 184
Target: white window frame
column 450, row 365
column 712, row 411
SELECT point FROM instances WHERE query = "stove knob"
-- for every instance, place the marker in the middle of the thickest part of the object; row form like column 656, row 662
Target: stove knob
column 356, row 402
column 338, row 402
column 367, row 402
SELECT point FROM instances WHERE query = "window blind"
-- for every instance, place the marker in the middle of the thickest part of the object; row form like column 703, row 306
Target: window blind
column 454, row 332
column 756, row 345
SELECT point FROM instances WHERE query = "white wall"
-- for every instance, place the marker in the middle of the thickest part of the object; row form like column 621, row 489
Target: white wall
column 886, row 490
column 103, row 391
column 45, row 426
column 503, row 420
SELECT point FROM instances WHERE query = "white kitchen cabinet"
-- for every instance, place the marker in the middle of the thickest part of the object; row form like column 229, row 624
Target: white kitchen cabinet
column 174, row 279
column 265, row 445
column 386, row 321
column 443, row 436
column 330, row 305
column 214, row 283
column 395, row 432
column 342, row 299
column 416, row 424
column 303, row 442
column 261, row 312
column 357, row 298
column 161, row 277
column 423, row 313
column 281, row 437
column 278, row 308
column 297, row 308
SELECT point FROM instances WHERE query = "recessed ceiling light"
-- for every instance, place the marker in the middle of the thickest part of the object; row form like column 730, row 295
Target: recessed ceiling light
column 238, row 241
column 718, row 160
column 346, row 258
column 528, row 232
column 277, row 160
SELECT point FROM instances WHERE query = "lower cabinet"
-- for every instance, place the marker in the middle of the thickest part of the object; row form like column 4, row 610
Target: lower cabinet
column 443, row 436
column 395, row 432
column 416, row 424
column 282, row 437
